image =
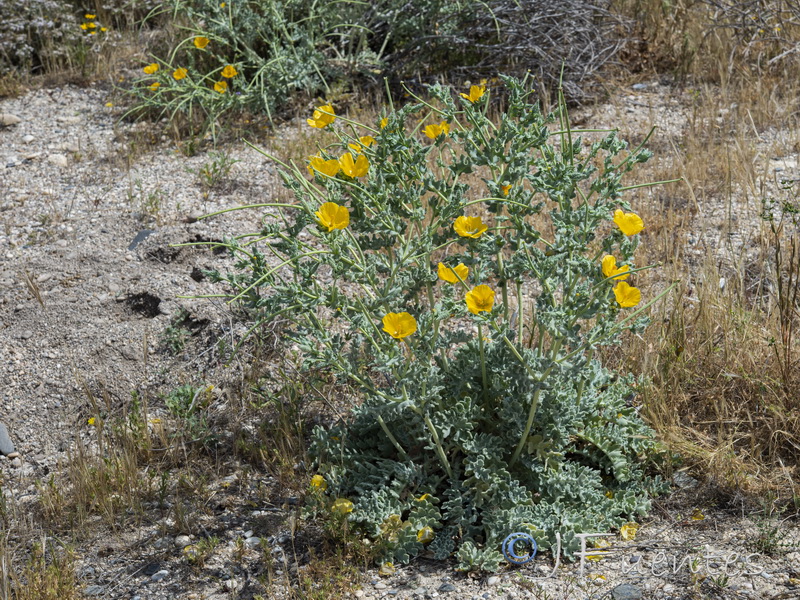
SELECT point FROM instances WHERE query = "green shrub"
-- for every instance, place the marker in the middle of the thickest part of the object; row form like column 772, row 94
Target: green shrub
column 282, row 50
column 461, row 278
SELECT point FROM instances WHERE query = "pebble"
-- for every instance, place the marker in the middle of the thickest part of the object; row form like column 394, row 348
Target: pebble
column 16, row 463
column 7, row 119
column 253, row 541
column 6, row 445
column 359, row 593
column 182, row 541
column 12, row 455
column 380, row 586
column 159, row 575
column 447, row 587
column 58, row 160
column 626, row 591
column 94, row 590
column 230, row 585
column 639, row 86
column 493, row 580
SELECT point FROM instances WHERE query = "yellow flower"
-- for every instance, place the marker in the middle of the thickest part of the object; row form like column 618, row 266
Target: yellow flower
column 200, row 42
column 425, row 535
column 609, row 494
column 151, row 68
column 629, row 223
column 328, row 167
column 332, row 216
column 154, row 86
column 452, row 275
column 90, row 16
column 434, row 131
column 91, row 25
column 84, row 26
column 384, row 122
column 323, row 116
column 93, row 33
column 422, row 498
column 318, row 482
column 697, row 515
column 506, row 189
column 480, row 299
column 627, row 295
column 628, row 531
column 475, row 93
column 104, row 29
column 609, row 265
column 179, row 73
column 109, row 104
column 91, row 421
column 229, row 71
column 222, row 5
column 365, row 141
column 471, row 227
column 221, row 87
column 399, row 325
column 342, row 506
column 357, row 168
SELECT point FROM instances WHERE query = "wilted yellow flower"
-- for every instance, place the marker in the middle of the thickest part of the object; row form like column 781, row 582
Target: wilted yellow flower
column 480, row 299
column 387, row 569
column 476, row 92
column 229, row 71
column 629, row 223
column 90, row 16
column 154, row 86
column 697, row 515
column 365, row 141
column 609, row 265
column 323, row 116
column 318, row 482
column 328, row 167
column 179, row 73
column 357, row 168
column 422, row 498
column 221, row 87
column 452, row 275
column 471, row 227
column 151, row 68
column 342, row 506
column 399, row 325
column 627, row 295
column 609, row 494
column 332, row 216
column 425, row 535
column 434, row 131
column 628, row 531
column 200, row 42
column 384, row 122
column 505, row 189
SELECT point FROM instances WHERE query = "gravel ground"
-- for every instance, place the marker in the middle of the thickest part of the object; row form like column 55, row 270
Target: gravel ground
column 88, row 285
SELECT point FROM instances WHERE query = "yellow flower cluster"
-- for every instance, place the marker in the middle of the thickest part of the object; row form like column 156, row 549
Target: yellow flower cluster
column 90, row 26
column 626, row 295
column 323, row 116
column 351, row 167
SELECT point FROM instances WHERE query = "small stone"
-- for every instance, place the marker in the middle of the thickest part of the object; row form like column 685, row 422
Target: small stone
column 62, row 243
column 253, row 541
column 182, row 541
column 359, row 593
column 25, row 335
column 380, row 586
column 493, row 580
column 159, row 575
column 28, row 139
column 626, row 591
column 231, row 585
column 12, row 455
column 6, row 445
column 58, row 160
column 635, row 559
column 16, row 463
column 7, row 119
column 44, row 277
column 94, row 590
column 446, row 587
column 639, row 86
column 420, row 592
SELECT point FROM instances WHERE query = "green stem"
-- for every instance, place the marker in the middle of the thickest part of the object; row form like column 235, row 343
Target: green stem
column 483, row 363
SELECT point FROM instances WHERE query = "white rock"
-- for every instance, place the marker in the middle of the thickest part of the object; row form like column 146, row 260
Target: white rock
column 158, row 576
column 58, row 160
column 253, row 541
column 493, row 580
column 182, row 541
column 7, row 119
column 28, row 139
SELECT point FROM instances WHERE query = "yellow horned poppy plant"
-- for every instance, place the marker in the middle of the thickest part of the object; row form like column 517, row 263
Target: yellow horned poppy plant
column 480, row 299
column 357, row 168
column 629, row 223
column 627, row 295
column 452, row 275
column 505, row 189
column 399, row 325
column 471, row 227
column 229, row 72
column 200, row 42
column 328, row 167
column 365, row 141
column 318, row 482
column 332, row 216
column 476, row 92
column 323, row 116
column 425, row 535
column 434, row 131
column 154, row 86
column 342, row 506
column 151, row 68
column 610, row 269
column 179, row 73
column 221, row 87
